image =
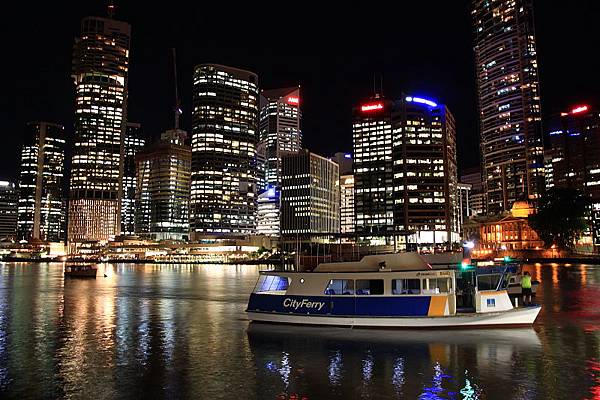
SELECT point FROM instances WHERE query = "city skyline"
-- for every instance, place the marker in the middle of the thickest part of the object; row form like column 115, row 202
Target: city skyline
column 313, row 68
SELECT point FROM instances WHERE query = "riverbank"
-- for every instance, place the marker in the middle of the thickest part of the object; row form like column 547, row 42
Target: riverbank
column 236, row 262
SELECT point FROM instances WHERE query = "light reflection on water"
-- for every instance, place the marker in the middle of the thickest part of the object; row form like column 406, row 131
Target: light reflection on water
column 180, row 332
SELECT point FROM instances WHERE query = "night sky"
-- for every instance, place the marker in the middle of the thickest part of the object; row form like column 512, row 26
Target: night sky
column 422, row 48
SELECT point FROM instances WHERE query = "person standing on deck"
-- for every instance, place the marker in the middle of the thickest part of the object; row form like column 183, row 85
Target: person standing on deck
column 526, row 288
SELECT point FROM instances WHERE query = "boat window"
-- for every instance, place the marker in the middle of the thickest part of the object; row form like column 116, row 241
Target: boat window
column 340, row 286
column 439, row 285
column 406, row 286
column 367, row 287
column 272, row 284
column 488, row 282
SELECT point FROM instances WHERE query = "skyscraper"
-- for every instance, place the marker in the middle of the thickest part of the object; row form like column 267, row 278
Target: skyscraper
column 279, row 133
column 347, row 212
column 464, row 211
column 100, row 70
column 279, row 129
column 8, row 211
column 163, row 188
column 347, row 221
column 373, row 174
column 573, row 157
column 133, row 143
column 405, row 173
column 509, row 101
column 310, row 196
column 472, row 177
column 224, row 139
column 41, row 210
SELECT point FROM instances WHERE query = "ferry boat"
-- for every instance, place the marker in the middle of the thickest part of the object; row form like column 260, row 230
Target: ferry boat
column 393, row 290
column 81, row 270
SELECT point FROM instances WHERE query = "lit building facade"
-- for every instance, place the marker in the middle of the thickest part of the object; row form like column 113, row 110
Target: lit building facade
column 100, row 70
column 573, row 157
column 464, row 206
column 347, row 221
column 279, row 133
column 509, row 102
column 405, row 173
column 41, row 210
column 8, row 211
column 133, row 143
column 310, row 195
column 472, row 177
column 509, row 231
column 279, row 129
column 224, row 161
column 163, row 188
column 373, row 171
column 268, row 214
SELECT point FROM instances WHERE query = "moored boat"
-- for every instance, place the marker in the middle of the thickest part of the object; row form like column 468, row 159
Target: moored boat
column 81, row 270
column 393, row 290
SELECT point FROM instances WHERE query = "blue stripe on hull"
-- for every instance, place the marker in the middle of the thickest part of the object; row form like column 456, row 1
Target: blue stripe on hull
column 397, row 306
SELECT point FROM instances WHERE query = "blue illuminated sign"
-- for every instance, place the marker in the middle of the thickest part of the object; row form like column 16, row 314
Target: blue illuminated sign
column 421, row 100
column 347, row 155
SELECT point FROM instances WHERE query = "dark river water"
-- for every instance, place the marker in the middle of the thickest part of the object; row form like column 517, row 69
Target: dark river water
column 164, row 331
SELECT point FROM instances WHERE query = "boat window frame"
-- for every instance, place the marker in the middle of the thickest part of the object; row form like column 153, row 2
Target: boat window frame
column 427, row 291
column 370, row 294
column 330, row 281
column 491, row 287
column 263, row 277
column 406, row 279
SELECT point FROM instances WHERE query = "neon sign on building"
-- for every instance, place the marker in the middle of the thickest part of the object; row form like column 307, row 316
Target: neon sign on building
column 372, row 107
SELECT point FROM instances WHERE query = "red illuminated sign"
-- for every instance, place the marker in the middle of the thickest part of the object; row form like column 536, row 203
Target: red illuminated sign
column 579, row 109
column 293, row 100
column 372, row 107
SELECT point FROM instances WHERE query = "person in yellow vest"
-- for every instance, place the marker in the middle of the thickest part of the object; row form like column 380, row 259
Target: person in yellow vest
column 526, row 288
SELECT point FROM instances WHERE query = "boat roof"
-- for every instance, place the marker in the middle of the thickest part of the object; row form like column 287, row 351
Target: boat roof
column 379, row 262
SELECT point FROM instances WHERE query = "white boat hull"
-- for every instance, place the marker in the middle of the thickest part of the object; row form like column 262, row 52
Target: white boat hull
column 516, row 317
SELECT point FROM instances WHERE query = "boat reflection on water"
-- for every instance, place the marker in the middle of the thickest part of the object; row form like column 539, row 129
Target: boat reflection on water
column 305, row 362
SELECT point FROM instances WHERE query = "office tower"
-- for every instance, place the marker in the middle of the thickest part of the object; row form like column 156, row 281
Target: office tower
column 100, row 69
column 41, row 211
column 347, row 221
column 310, row 202
column 279, row 132
column 573, row 156
column 163, row 188
column 224, row 139
column 268, row 216
column 472, row 177
column 509, row 102
column 405, row 173
column 279, row 129
column 464, row 211
column 8, row 211
column 373, row 175
column 134, row 142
